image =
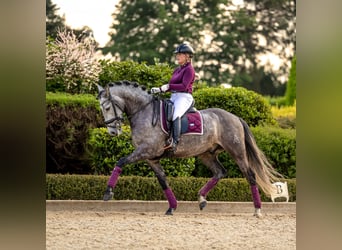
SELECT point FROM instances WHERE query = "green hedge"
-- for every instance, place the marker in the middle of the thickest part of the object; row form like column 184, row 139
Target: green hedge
column 91, row 187
column 147, row 75
column 63, row 100
column 105, row 150
column 71, row 118
column 68, row 121
column 279, row 145
column 248, row 105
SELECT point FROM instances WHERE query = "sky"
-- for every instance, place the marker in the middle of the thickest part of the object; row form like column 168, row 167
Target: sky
column 96, row 14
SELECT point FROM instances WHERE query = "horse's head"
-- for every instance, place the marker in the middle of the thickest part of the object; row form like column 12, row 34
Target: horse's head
column 112, row 111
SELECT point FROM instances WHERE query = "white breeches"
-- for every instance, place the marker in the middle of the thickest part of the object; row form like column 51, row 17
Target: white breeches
column 182, row 102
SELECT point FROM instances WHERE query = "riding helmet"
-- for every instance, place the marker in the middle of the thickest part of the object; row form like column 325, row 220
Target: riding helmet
column 185, row 48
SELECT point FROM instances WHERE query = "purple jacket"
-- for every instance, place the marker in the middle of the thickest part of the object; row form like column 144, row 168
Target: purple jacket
column 182, row 79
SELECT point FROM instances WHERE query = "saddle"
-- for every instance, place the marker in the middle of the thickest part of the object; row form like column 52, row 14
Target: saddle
column 191, row 121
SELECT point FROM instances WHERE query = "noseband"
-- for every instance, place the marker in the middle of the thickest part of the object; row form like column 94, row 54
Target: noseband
column 117, row 119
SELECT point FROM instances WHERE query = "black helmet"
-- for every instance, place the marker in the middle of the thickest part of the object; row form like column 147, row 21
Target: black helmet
column 184, row 48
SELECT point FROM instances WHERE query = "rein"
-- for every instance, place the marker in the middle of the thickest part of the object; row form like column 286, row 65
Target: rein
column 143, row 107
column 155, row 115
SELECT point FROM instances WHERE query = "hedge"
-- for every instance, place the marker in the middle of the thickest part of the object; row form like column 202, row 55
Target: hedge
column 279, row 145
column 105, row 150
column 91, row 187
column 247, row 104
column 146, row 75
column 70, row 119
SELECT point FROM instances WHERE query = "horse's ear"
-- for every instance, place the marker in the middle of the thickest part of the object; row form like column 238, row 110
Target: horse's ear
column 100, row 88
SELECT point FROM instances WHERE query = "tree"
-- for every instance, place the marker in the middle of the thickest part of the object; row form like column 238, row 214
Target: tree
column 276, row 21
column 145, row 30
column 56, row 24
column 53, row 21
column 226, row 37
column 71, row 65
column 290, row 94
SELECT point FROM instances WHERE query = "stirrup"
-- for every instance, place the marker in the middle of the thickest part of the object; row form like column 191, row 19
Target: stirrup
column 169, row 143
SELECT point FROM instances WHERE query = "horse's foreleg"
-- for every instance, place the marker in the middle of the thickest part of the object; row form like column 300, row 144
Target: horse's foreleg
column 171, row 198
column 169, row 195
column 108, row 195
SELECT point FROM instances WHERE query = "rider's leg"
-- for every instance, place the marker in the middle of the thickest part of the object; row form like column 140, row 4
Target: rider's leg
column 182, row 102
column 175, row 134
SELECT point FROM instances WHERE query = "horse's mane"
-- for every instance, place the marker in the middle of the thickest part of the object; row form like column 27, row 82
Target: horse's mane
column 128, row 83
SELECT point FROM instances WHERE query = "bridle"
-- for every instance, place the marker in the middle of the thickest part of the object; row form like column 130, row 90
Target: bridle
column 116, row 120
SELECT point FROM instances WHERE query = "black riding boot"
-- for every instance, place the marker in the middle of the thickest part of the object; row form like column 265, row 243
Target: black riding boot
column 175, row 133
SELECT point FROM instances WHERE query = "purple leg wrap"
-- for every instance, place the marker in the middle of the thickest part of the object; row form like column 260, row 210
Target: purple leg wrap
column 171, row 198
column 114, row 177
column 256, row 196
column 207, row 187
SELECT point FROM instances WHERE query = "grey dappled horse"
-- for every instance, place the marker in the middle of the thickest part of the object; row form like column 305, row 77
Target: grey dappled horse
column 222, row 131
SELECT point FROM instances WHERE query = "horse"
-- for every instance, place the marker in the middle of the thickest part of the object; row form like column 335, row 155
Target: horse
column 222, row 131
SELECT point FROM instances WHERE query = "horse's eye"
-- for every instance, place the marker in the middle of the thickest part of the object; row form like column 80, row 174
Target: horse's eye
column 107, row 109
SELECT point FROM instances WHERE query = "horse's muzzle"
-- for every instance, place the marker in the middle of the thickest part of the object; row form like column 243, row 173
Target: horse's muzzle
column 114, row 131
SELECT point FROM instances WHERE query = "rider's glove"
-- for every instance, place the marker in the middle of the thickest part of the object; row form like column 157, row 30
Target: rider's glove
column 163, row 88
column 155, row 90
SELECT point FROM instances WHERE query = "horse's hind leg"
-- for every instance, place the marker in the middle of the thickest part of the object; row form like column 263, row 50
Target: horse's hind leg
column 159, row 172
column 250, row 176
column 211, row 161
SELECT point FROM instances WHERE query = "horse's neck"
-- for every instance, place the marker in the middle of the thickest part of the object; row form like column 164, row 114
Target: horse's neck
column 135, row 102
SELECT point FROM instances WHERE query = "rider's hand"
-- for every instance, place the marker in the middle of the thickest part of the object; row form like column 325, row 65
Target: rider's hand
column 164, row 88
column 155, row 90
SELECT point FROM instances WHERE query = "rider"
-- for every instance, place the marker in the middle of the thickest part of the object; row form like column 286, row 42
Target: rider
column 180, row 86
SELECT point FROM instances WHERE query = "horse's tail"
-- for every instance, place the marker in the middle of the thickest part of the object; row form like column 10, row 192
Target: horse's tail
column 264, row 172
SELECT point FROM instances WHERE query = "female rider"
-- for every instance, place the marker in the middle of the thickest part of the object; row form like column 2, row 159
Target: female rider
column 180, row 85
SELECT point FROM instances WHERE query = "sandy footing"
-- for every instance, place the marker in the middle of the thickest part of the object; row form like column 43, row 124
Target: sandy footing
column 78, row 229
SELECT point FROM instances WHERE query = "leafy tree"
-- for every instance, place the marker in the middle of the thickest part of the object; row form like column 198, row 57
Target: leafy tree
column 145, row 30
column 290, row 94
column 56, row 23
column 71, row 65
column 276, row 21
column 226, row 40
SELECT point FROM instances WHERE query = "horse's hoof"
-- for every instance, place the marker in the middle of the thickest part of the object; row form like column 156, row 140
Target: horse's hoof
column 257, row 213
column 202, row 202
column 108, row 195
column 202, row 205
column 170, row 211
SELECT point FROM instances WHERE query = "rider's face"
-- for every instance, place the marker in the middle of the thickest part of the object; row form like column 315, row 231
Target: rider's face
column 181, row 58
